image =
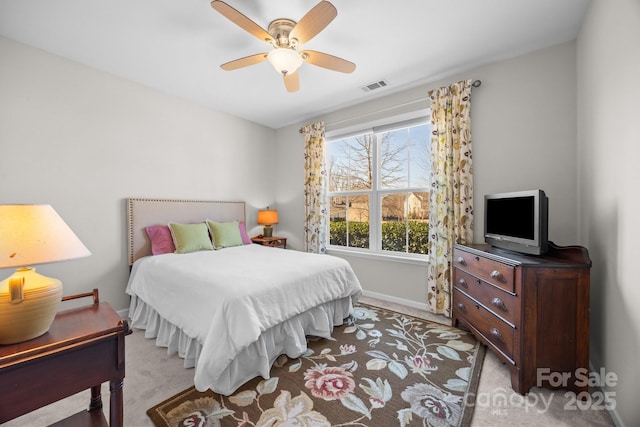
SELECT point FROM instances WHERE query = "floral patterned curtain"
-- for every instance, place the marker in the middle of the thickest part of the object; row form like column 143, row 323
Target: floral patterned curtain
column 315, row 189
column 451, row 197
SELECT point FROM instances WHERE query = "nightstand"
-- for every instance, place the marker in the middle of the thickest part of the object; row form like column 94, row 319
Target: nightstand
column 83, row 348
column 272, row 242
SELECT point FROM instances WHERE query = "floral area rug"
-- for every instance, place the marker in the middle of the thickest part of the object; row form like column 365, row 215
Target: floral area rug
column 383, row 369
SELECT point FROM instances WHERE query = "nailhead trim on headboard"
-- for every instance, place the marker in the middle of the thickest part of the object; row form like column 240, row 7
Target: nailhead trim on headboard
column 142, row 212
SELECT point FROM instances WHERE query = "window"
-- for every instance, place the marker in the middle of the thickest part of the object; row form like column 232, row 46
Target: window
column 379, row 189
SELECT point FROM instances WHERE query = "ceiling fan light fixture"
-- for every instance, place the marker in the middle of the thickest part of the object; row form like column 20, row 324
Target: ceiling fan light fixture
column 285, row 60
column 287, row 37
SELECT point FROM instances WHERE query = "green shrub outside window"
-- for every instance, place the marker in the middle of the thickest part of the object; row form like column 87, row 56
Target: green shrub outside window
column 393, row 236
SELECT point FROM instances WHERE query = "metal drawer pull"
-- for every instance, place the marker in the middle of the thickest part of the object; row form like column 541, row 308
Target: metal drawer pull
column 497, row 302
column 461, row 261
column 496, row 333
column 463, row 283
column 462, row 308
column 495, row 274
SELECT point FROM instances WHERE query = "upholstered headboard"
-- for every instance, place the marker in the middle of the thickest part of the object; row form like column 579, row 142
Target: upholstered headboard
column 144, row 212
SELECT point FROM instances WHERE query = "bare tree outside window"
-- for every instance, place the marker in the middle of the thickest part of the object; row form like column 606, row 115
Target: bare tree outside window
column 350, row 164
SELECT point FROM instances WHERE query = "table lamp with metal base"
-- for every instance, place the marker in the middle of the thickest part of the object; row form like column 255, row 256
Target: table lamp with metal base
column 267, row 217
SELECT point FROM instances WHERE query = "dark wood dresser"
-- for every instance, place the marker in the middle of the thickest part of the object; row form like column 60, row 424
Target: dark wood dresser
column 532, row 311
column 83, row 348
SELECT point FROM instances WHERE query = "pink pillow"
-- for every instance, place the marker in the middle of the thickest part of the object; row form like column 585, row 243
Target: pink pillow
column 161, row 240
column 243, row 233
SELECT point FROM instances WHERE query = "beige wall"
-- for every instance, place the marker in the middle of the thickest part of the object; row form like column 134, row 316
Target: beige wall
column 83, row 141
column 524, row 135
column 608, row 61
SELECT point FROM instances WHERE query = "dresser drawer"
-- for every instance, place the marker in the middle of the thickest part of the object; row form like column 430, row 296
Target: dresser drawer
column 494, row 272
column 501, row 303
column 493, row 329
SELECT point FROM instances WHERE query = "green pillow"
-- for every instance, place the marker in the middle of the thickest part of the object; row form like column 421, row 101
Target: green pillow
column 190, row 237
column 225, row 234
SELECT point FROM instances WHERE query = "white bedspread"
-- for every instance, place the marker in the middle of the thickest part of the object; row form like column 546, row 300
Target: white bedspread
column 226, row 298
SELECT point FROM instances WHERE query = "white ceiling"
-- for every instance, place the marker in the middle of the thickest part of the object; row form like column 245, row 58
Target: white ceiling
column 177, row 46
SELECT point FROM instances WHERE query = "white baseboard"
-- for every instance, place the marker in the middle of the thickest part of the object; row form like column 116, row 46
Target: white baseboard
column 395, row 300
column 615, row 416
column 123, row 313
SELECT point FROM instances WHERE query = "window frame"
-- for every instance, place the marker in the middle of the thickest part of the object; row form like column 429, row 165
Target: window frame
column 375, row 194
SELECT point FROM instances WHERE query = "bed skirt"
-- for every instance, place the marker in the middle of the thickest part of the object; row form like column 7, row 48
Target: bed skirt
column 256, row 360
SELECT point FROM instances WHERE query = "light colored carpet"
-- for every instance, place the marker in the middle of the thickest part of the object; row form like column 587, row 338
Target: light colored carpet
column 152, row 376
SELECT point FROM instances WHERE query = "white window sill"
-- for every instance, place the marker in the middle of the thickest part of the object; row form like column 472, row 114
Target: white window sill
column 416, row 260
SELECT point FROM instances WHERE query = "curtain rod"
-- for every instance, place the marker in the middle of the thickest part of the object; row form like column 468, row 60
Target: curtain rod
column 475, row 83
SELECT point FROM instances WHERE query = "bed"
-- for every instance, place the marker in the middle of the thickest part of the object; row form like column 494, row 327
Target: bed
column 230, row 312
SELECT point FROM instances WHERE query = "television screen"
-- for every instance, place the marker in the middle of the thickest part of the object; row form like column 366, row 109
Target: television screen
column 511, row 217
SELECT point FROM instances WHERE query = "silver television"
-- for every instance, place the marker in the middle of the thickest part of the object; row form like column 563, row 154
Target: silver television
column 517, row 221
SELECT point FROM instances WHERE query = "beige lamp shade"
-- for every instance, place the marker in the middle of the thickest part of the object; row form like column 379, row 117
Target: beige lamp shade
column 267, row 217
column 35, row 234
column 30, row 235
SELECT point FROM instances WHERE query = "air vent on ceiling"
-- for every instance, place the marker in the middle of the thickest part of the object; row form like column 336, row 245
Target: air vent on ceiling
column 373, row 86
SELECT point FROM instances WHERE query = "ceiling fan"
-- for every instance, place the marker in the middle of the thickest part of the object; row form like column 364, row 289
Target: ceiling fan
column 287, row 36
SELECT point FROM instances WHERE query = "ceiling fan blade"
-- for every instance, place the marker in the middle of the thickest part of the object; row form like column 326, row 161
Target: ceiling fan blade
column 292, row 82
column 325, row 60
column 244, row 62
column 242, row 21
column 313, row 22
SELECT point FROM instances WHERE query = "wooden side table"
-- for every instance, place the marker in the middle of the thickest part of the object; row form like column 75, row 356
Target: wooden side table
column 83, row 348
column 272, row 242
